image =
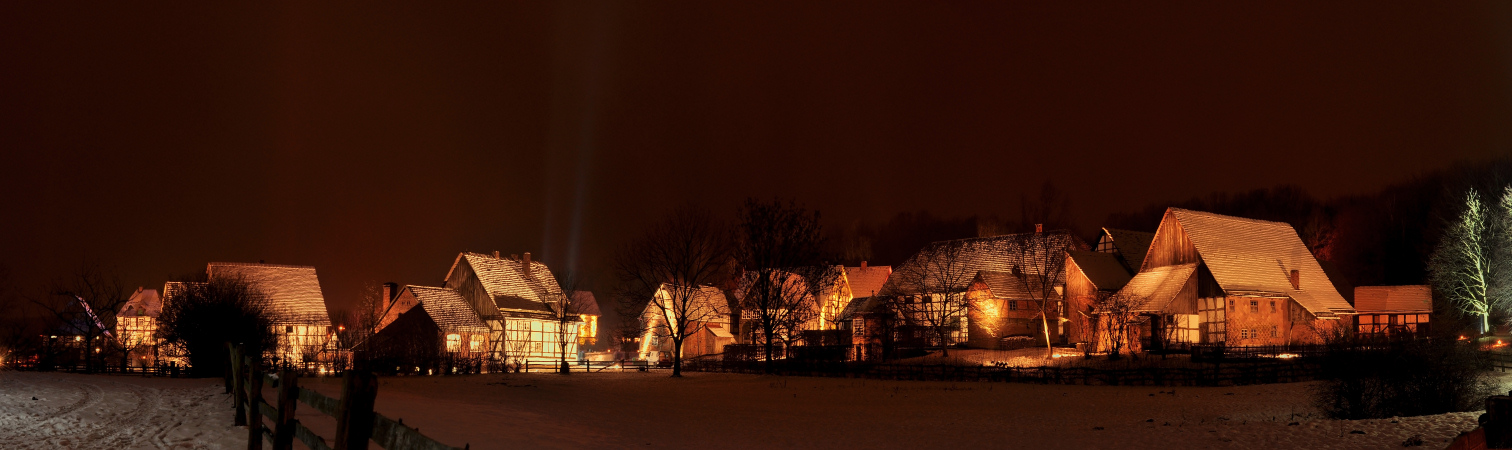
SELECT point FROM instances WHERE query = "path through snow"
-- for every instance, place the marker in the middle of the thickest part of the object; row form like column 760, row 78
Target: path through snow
column 58, row 410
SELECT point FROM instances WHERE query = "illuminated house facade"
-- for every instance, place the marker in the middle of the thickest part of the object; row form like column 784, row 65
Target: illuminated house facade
column 301, row 323
column 1393, row 310
column 509, row 295
column 711, row 329
column 1210, row 279
column 136, row 326
column 989, row 272
column 586, row 306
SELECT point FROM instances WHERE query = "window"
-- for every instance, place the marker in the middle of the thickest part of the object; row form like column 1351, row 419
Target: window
column 1273, row 306
column 289, row 329
column 1274, row 331
column 1013, row 305
column 453, row 342
column 475, row 343
column 1255, row 306
column 1231, row 305
column 857, row 326
column 1244, row 333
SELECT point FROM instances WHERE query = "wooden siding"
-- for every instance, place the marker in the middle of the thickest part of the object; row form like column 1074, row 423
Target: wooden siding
column 1171, row 246
column 1081, row 297
column 467, row 284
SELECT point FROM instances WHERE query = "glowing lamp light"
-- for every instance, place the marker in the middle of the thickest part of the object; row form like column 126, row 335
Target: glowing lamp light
column 341, row 328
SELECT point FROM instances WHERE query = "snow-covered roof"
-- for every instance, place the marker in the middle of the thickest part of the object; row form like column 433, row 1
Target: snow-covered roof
column 1155, row 288
column 293, row 291
column 860, row 305
column 1103, row 269
column 1392, row 299
column 867, row 281
column 1131, row 245
column 447, row 308
column 1257, row 256
column 708, row 303
column 143, row 303
column 1005, row 285
column 1026, row 251
column 507, row 283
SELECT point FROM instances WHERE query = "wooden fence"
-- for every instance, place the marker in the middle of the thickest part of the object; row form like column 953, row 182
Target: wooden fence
column 1215, row 375
column 356, row 422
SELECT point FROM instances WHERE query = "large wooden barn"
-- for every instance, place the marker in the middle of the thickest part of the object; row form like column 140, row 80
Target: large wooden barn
column 1215, row 279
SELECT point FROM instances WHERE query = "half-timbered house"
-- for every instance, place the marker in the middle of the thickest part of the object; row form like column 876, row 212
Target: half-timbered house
column 300, row 321
column 976, row 279
column 1216, row 279
column 707, row 311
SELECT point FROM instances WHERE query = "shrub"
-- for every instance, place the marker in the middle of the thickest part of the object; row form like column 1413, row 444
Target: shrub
column 204, row 316
column 1407, row 378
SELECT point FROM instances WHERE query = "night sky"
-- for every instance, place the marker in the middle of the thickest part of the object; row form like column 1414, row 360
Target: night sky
column 376, row 141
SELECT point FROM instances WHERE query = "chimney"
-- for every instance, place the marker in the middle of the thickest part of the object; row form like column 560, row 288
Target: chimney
column 496, row 254
column 1296, row 279
column 525, row 263
column 390, row 290
column 863, row 264
column 1039, row 228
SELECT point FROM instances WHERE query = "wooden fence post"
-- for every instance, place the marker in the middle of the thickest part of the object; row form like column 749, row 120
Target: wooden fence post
column 354, row 425
column 239, row 394
column 254, row 405
column 228, row 375
column 288, row 399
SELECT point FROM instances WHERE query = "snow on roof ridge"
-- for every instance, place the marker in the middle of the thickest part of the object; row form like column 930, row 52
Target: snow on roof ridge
column 247, row 264
column 1228, row 217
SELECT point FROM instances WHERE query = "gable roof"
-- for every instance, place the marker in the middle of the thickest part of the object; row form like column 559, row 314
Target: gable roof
column 867, row 281
column 506, row 282
column 860, row 305
column 1256, row 256
column 293, row 291
column 446, row 307
column 585, row 303
column 1156, row 288
column 1103, row 269
column 997, row 254
column 143, row 303
column 1005, row 285
column 1132, row 246
column 1383, row 299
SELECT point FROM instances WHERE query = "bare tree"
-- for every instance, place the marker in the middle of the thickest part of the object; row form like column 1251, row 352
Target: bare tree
column 1039, row 268
column 85, row 304
column 1470, row 262
column 780, row 246
column 669, row 265
column 566, row 313
column 1115, row 311
column 930, row 289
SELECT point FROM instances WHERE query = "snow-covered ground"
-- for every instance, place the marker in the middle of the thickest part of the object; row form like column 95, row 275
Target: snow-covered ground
column 59, row 410
column 706, row 410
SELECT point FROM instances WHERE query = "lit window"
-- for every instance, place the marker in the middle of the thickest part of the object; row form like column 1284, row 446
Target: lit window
column 453, row 342
column 475, row 343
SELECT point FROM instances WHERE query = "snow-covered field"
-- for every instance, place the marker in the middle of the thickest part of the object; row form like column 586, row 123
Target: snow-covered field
column 704, row 410
column 59, row 410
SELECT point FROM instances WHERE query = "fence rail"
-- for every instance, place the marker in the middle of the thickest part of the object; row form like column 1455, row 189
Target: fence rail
column 356, row 422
